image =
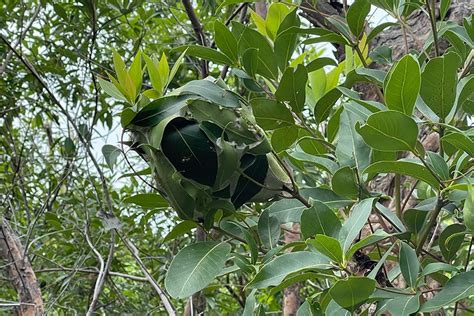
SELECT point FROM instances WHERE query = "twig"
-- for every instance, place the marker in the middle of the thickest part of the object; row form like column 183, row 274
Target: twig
column 468, row 257
column 425, row 232
column 134, row 251
column 431, row 13
column 92, row 271
column 197, row 26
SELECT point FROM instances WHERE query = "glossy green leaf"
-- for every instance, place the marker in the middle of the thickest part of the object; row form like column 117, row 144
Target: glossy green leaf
column 402, row 85
column 111, row 90
column 226, row 41
column 194, row 267
column 468, row 210
column 457, row 288
column 389, row 131
column 356, row 15
column 268, row 229
column 158, row 110
column 409, row 264
column 111, row 153
column 206, row 53
column 279, row 268
column 414, row 219
column 147, row 200
column 460, row 141
column 438, row 83
column 211, row 92
column 328, row 246
column 284, row 45
column 344, row 182
column 180, row 229
column 353, row 292
column 466, row 96
column 450, row 240
column 359, row 214
column 292, row 87
column 271, row 114
column 276, row 13
column 439, row 165
column 284, row 137
column 412, row 169
column 319, row 219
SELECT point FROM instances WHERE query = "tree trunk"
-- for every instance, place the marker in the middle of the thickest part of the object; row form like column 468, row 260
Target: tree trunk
column 20, row 272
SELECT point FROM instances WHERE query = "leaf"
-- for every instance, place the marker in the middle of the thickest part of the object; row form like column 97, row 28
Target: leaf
column 206, row 53
column 226, row 41
column 164, row 70
column 328, row 246
column 276, row 270
column 284, row 137
column 111, row 153
column 438, row 83
column 379, row 28
column 286, row 210
column 268, row 229
column 111, row 90
column 344, row 182
column 292, row 88
column 466, row 96
column 157, row 81
column 438, row 266
column 275, row 15
column 267, row 63
column 179, row 230
column 158, row 110
column 319, row 219
column 414, row 219
column 353, row 292
column 357, row 219
column 147, row 200
column 285, row 44
column 175, row 67
column 271, row 114
column 252, row 180
column 402, row 305
column 211, row 92
column 389, row 131
column 194, row 267
column 351, row 150
column 190, row 151
column 356, row 15
column 450, row 240
column 456, row 289
column 461, row 141
column 250, row 304
column 402, row 85
column 439, row 165
column 325, row 103
column 411, row 169
column 307, row 309
column 250, row 61
column 468, row 210
column 136, row 72
column 409, row 264
column 320, row 161
column 367, row 241
column 319, row 63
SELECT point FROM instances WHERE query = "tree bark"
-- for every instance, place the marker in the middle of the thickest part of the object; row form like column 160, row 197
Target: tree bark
column 291, row 299
column 20, row 272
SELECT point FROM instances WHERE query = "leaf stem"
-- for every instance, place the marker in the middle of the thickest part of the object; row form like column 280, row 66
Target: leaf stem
column 398, row 206
column 431, row 13
column 468, row 257
column 432, row 222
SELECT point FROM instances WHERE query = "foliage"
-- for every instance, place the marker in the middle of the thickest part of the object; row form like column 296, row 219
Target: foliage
column 284, row 137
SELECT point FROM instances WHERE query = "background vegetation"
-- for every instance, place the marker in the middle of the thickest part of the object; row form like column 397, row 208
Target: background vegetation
column 364, row 111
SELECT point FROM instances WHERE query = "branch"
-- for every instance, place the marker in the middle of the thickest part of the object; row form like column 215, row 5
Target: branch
column 20, row 272
column 134, row 251
column 197, row 26
column 92, row 271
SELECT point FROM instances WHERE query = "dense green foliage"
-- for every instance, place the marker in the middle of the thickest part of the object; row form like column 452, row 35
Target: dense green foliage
column 277, row 134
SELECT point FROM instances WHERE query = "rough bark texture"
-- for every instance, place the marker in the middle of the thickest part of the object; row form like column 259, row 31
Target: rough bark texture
column 196, row 305
column 291, row 300
column 19, row 271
